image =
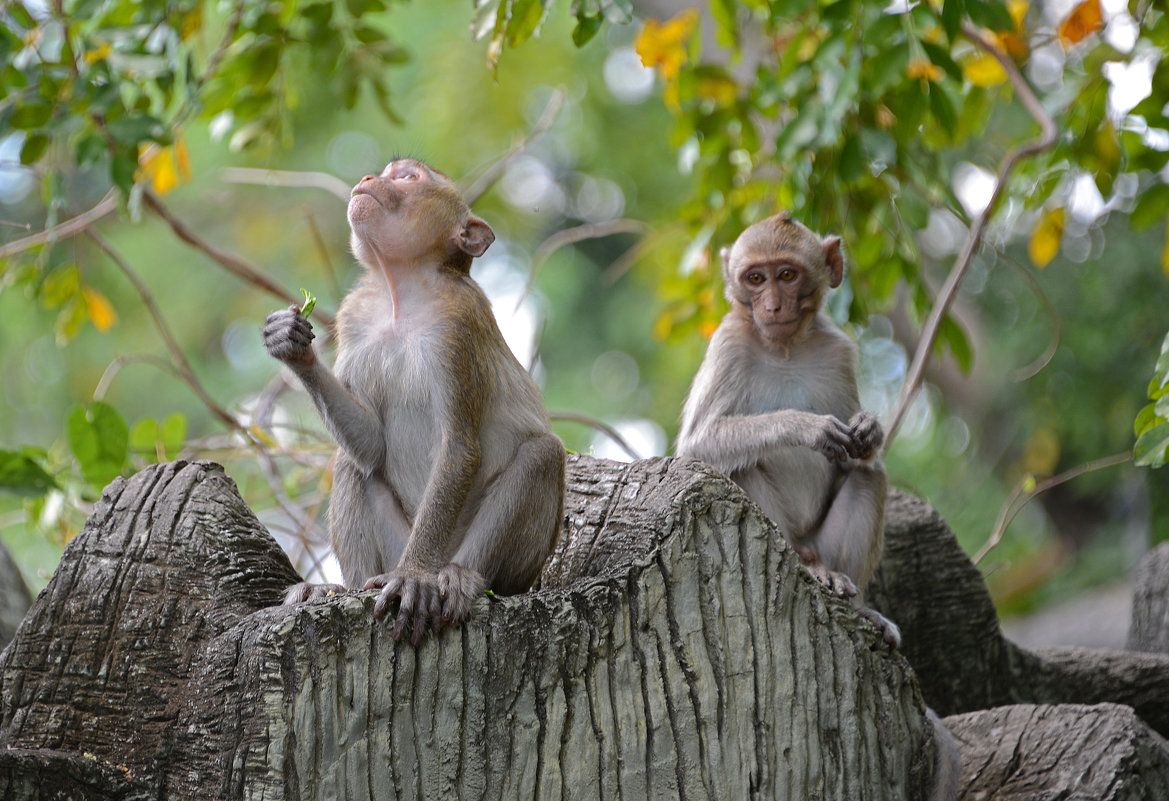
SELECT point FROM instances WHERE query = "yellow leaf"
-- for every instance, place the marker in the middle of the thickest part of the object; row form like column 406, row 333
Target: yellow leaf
column 99, row 53
column 923, row 68
column 98, row 307
column 158, row 166
column 1045, row 238
column 984, row 70
column 1041, row 452
column 662, row 45
column 183, row 157
column 1084, row 20
column 1018, row 11
column 721, row 90
column 1165, row 254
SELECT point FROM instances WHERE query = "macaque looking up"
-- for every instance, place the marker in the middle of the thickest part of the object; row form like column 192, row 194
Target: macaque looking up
column 447, row 479
column 775, row 406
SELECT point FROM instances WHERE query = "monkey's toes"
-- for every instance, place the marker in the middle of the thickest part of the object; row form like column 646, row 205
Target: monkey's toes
column 459, row 587
column 890, row 631
column 838, row 584
column 299, row 593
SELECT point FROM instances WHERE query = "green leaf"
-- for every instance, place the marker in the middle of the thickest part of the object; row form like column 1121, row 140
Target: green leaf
column 22, row 474
column 1151, row 208
column 100, row 440
column 1152, row 448
column 173, row 433
column 135, row 128
column 144, row 435
column 523, row 18
column 952, row 13
column 310, row 301
column 33, row 148
column 27, row 116
column 953, row 337
column 586, row 28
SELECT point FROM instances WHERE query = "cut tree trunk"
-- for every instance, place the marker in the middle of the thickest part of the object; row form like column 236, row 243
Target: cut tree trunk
column 676, row 650
column 951, row 633
column 14, row 597
column 1150, row 603
column 1052, row 753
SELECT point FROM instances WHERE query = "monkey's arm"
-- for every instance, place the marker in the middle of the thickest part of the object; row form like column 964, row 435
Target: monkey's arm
column 736, row 442
column 288, row 337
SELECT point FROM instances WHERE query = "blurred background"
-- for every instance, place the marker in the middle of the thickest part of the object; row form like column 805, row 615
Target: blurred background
column 610, row 186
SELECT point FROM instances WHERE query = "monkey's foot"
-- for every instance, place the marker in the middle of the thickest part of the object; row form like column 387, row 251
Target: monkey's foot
column 299, row 593
column 459, row 587
column 839, row 584
column 890, row 631
column 426, row 600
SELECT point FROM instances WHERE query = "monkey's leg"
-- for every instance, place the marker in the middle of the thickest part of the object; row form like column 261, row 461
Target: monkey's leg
column 518, row 522
column 852, row 535
column 367, row 526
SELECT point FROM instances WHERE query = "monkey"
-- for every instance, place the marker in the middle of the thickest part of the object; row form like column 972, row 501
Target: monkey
column 448, row 479
column 775, row 406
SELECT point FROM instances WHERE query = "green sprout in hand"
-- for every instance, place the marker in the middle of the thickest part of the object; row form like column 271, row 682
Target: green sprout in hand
column 310, row 300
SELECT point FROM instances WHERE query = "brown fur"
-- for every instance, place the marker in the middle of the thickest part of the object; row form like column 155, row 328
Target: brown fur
column 448, row 479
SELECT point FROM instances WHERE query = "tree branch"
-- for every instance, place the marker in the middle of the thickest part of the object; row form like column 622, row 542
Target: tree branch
column 231, row 263
column 489, row 176
column 578, row 233
column 604, row 428
column 178, row 358
column 949, row 291
column 313, row 180
column 1008, row 513
column 70, row 227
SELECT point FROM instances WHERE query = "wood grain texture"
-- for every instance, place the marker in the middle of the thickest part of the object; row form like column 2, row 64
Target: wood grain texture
column 676, row 651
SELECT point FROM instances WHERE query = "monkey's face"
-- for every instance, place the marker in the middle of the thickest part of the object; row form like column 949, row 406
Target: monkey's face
column 782, row 295
column 411, row 212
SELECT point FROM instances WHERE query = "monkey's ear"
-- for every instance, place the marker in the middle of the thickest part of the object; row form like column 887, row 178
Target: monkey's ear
column 475, row 236
column 835, row 261
column 724, row 253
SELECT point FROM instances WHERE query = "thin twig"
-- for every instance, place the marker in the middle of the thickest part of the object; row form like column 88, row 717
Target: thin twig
column 313, row 180
column 579, row 233
column 232, row 264
column 489, row 176
column 1009, row 511
column 70, row 227
column 958, row 272
column 115, row 367
column 604, row 428
column 1032, row 369
column 178, row 358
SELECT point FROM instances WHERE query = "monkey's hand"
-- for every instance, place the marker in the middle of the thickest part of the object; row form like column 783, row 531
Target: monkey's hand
column 288, row 336
column 839, row 584
column 299, row 593
column 826, row 434
column 426, row 600
column 865, row 436
column 890, row 631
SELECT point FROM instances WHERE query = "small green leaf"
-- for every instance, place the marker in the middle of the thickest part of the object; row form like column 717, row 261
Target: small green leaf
column 1151, row 208
column 310, row 302
column 33, row 148
column 22, row 474
column 100, row 440
column 1152, row 447
column 586, row 28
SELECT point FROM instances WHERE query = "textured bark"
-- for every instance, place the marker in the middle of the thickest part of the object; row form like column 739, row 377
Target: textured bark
column 14, row 597
column 1042, row 753
column 675, row 650
column 1150, row 603
column 928, row 585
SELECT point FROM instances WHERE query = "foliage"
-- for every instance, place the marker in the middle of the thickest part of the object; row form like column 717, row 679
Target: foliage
column 1152, row 424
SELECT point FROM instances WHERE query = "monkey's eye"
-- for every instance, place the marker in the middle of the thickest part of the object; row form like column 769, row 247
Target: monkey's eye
column 755, row 279
column 787, row 274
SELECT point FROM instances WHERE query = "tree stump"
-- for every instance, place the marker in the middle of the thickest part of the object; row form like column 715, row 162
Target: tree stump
column 675, row 650
column 928, row 585
column 1150, row 604
column 14, row 597
column 1050, row 753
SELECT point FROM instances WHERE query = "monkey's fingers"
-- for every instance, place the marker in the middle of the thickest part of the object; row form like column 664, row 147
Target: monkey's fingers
column 299, row 593
column 406, row 608
column 890, row 631
column 459, row 587
column 390, row 586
